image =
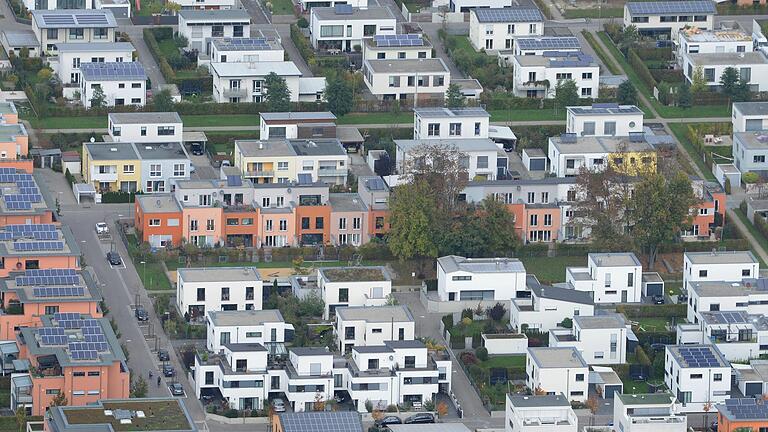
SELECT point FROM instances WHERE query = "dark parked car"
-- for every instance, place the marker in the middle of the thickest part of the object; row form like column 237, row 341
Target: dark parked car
column 420, row 418
column 197, row 149
column 168, row 370
column 388, row 420
column 114, row 258
column 177, row 389
column 162, row 355
column 141, row 314
column 682, row 298
column 658, row 299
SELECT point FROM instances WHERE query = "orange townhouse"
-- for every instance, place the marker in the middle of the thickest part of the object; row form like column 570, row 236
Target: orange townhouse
column 710, row 212
column 14, row 140
column 8, row 113
column 374, row 193
column 158, row 219
column 536, row 222
column 26, row 296
column 313, row 221
column 34, row 210
column 73, row 355
column 742, row 414
column 42, row 246
column 277, row 226
column 240, row 225
column 349, row 219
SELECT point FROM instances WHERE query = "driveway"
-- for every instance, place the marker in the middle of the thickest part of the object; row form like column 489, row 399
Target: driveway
column 145, row 57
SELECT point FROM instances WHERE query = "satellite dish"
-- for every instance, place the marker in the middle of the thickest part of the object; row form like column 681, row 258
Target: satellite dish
column 93, row 140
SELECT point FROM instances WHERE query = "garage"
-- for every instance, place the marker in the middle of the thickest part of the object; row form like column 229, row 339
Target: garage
column 653, row 284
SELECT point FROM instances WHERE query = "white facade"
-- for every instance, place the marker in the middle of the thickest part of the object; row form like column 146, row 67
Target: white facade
column 353, row 286
column 245, row 82
column 719, row 266
column 286, row 125
column 696, row 385
column 309, row 4
column 601, row 339
column 374, row 50
column 752, row 66
column 550, row 413
column 604, row 120
column 450, row 123
column 52, row 27
column 749, row 117
column 206, row 4
column 200, row 25
column 460, row 278
column 162, row 164
column 199, row 290
column 67, row 66
column 557, row 371
column 656, row 18
column 484, row 158
column 467, row 5
column 539, row 45
column 239, row 373
column 245, row 327
column 372, row 326
column 610, row 277
column 125, row 87
column 548, row 306
column 538, row 76
column 747, row 295
column 695, row 40
column 496, row 29
column 330, row 29
column 654, row 412
column 569, row 153
column 737, row 335
column 404, row 79
column 151, row 127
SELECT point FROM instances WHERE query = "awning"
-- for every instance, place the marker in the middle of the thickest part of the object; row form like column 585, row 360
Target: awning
column 191, row 136
column 8, row 348
column 631, row 335
column 21, row 381
column 21, row 365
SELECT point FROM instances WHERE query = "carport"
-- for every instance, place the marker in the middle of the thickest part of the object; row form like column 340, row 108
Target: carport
column 190, row 138
column 607, row 382
column 83, row 190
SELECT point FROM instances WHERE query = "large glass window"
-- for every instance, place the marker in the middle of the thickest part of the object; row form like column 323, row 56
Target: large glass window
column 332, row 31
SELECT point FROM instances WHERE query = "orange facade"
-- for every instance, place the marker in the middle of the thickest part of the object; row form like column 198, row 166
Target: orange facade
column 10, row 264
column 158, row 224
column 313, row 224
column 726, row 425
column 701, row 223
column 25, row 165
column 43, row 217
column 28, row 314
column 242, row 225
column 378, row 223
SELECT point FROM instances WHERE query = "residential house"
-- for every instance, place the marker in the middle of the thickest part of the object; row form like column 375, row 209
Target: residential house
column 649, row 411
column 203, row 289
column 537, row 46
column 200, row 26
column 159, row 220
column 555, row 371
column 750, row 295
column 737, row 335
column 397, row 47
column 52, row 27
column 738, row 414
column 695, row 40
column 121, row 83
column 752, row 67
column 601, row 339
column 307, row 5
column 208, row 4
column 246, row 50
column 450, row 123
column 288, row 160
column 348, row 219
column 372, row 326
column 548, row 306
column 249, row 326
column 71, row 55
column 145, row 127
column 468, row 5
column 44, row 5
column 407, row 79
column 609, row 277
column 353, row 286
column 569, row 153
column 374, row 193
column 750, row 150
column 295, row 125
column 14, row 41
column 664, row 20
column 245, row 82
column 462, row 279
column 495, row 29
column 22, row 249
column 538, row 76
column 344, row 27
column 14, row 144
column 698, row 374
column 8, row 113
column 533, row 413
column 604, row 120
column 33, row 211
column 105, row 414
column 749, row 117
column 728, row 266
column 482, row 158
column 161, row 164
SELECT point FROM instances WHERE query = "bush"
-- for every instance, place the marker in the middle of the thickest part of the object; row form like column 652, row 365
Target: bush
column 70, row 178
column 469, row 358
column 482, row 353
column 566, row 323
column 231, row 413
column 302, row 23
column 117, row 197
column 641, row 69
column 650, row 311
column 448, row 321
column 750, row 177
column 496, row 312
column 467, row 313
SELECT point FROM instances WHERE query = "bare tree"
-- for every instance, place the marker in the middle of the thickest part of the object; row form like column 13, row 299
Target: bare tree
column 443, row 169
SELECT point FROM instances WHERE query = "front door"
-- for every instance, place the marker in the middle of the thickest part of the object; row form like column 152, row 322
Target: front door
column 623, row 296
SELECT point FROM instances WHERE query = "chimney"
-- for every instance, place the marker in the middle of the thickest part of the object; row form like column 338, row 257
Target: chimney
column 261, row 145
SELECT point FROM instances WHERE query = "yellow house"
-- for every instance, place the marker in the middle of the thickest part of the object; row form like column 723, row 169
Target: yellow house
column 111, row 167
column 286, row 160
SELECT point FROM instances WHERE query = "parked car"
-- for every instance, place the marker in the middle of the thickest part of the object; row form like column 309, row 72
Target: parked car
column 388, row 420
column 658, row 299
column 141, row 314
column 114, row 258
column 102, row 228
column 420, row 418
column 226, row 163
column 197, row 149
column 177, row 389
column 168, row 370
column 278, row 405
column 682, row 298
column 162, row 355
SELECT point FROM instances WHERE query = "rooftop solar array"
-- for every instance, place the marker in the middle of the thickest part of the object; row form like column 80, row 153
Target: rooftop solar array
column 508, row 15
column 401, row 40
column 747, row 408
column 50, row 331
column 74, row 18
column 568, row 59
column 696, row 357
column 727, row 317
column 54, row 339
column 47, row 280
column 606, row 109
column 337, row 421
column 26, row 193
column 548, row 43
column 242, row 44
column 84, row 355
column 671, row 7
column 67, row 291
column 234, row 180
column 304, row 179
column 50, row 272
column 343, row 9
column 33, row 246
column 78, row 323
column 88, row 346
column 113, row 71
column 61, row 316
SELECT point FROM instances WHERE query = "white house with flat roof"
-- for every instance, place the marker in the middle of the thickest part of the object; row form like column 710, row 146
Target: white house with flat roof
column 609, row 277
column 548, row 306
column 750, row 151
column 568, row 153
column 407, row 79
column 120, row 83
column 495, row 29
column 726, row 266
column 601, row 339
column 538, row 76
column 752, row 67
column 397, row 47
column 468, row 5
column 145, row 127
column 245, row 82
column 293, row 160
column 749, row 116
column 554, row 371
column 450, row 123
column 162, row 164
column 52, row 27
column 484, row 158
column 608, row 119
column 737, row 335
column 293, row 125
column 537, row 46
column 695, row 40
column 262, row 327
column 372, row 326
column 353, row 286
column 344, row 27
column 500, row 279
column 534, row 413
column 203, row 289
column 71, row 55
column 646, row 412
column 665, row 19
column 199, row 26
column 697, row 374
column 207, row 4
column 245, row 50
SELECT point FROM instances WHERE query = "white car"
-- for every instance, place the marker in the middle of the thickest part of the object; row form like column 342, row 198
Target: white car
column 102, row 228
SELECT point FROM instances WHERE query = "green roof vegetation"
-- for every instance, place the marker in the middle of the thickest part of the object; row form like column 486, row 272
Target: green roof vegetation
column 355, row 274
column 160, row 415
column 645, row 399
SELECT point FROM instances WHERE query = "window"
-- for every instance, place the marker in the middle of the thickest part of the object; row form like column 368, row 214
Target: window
column 305, row 223
column 319, row 223
column 746, row 272
column 50, row 310
column 53, row 33
column 52, row 391
column 179, row 170
column 356, row 223
column 135, row 100
column 282, row 166
column 344, row 295
column 143, row 131
column 586, row 92
column 165, row 130
column 380, row 56
column 193, row 225
column 373, row 363
column 342, row 223
column 454, row 129
column 379, row 223
column 154, row 222
column 510, row 29
column 714, row 307
column 121, row 86
column 531, row 197
column 461, row 278
column 78, row 374
column 224, row 294
column 545, row 197
column 696, row 376
column 630, row 280
column 433, row 129
column 76, row 33
column 233, row 221
column 709, row 74
column 579, row 377
column 532, row 28
column 482, row 162
column 94, row 373
column 717, row 377
column 268, row 225
column 702, row 273
column 758, row 159
column 155, row 170
column 547, row 220
column 249, row 293
column 586, row 76
column 128, row 169
column 283, row 224
column 210, row 225
column 534, row 220
column 745, row 73
column 138, row 86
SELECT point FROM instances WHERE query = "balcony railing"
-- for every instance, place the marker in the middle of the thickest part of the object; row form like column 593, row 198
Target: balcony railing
column 533, row 85
column 235, row 92
column 672, row 419
column 260, row 173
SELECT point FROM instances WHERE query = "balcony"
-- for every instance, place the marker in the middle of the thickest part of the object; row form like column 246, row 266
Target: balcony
column 260, row 173
column 109, row 177
column 534, row 85
column 331, row 172
column 235, row 93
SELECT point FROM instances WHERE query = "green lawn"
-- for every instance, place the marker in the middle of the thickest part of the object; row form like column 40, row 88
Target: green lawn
column 282, row 7
column 527, row 115
column 679, row 130
column 673, row 288
column 652, row 324
column 594, row 13
column 101, row 122
column 751, row 228
column 148, row 7
column 376, row 118
column 8, row 424
column 152, row 275
column 505, row 361
column 634, row 387
column 550, row 270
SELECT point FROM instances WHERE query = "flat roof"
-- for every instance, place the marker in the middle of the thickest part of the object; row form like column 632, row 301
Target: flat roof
column 245, row 317
column 729, row 289
column 46, row 288
column 246, row 44
column 264, row 148
column 721, row 257
column 538, row 401
column 441, row 112
column 751, row 108
column 697, row 356
column 7, row 107
column 68, row 350
column 63, row 245
column 346, row 202
column 281, row 68
column 219, row 274
column 113, row 71
column 603, row 321
column 298, row 116
column 215, row 15
column 397, row 313
column 548, row 43
column 757, row 140
column 158, row 203
column 604, row 109
column 21, row 38
column 408, row 65
column 615, row 259
column 696, row 34
column 95, row 47
column 373, row 349
column 453, row 263
column 310, row 351
column 595, row 144
column 9, row 132
column 646, row 398
column 671, row 7
column 727, row 58
column 144, row 118
column 429, row 427
column 157, row 414
column 561, row 357
column 557, row 59
column 465, row 145
column 74, row 18
column 414, row 343
column 153, row 151
column 370, row 13
column 355, row 274
column 317, row 147
column 508, row 14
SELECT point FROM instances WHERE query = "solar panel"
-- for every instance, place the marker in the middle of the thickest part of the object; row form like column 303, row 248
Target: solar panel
column 343, row 9
column 699, row 357
column 50, row 331
column 548, row 43
column 112, row 71
column 508, row 14
column 38, row 246
column 305, row 178
column 92, row 331
column 91, row 323
column 67, row 291
column 84, row 355
column 31, row 228
column 6, row 170
column 61, row 316
column 50, row 272
column 234, row 180
column 376, row 184
column 671, row 7
column 54, row 339
column 400, row 40
column 71, row 324
column 88, row 346
column 18, row 205
column 94, row 337
column 47, row 280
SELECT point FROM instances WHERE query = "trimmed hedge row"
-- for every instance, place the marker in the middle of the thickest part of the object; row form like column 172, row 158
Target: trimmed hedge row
column 151, row 36
column 642, row 70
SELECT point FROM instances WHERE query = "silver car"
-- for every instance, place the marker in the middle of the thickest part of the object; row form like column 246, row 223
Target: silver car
column 278, row 405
